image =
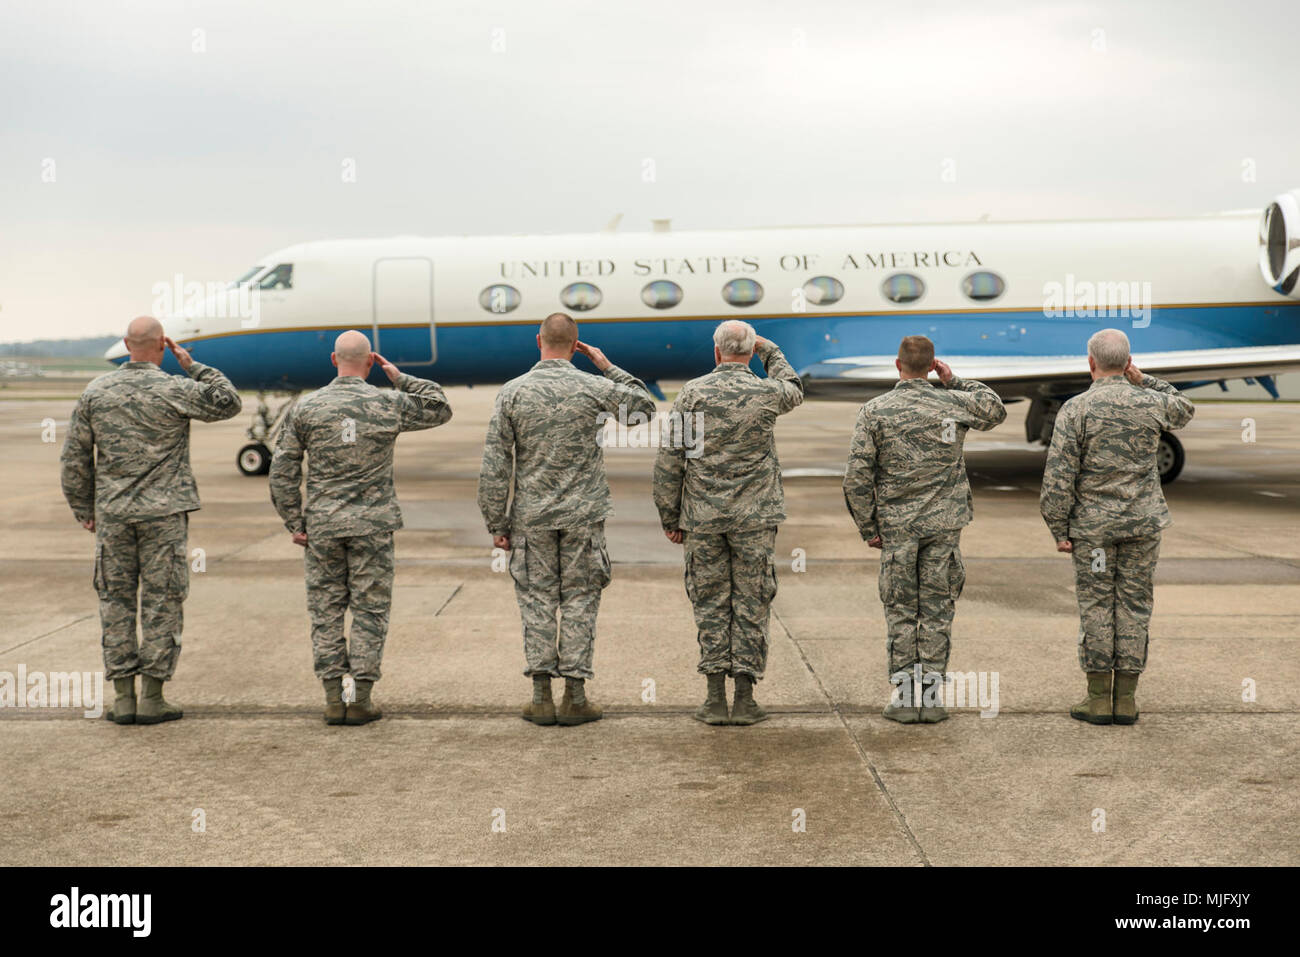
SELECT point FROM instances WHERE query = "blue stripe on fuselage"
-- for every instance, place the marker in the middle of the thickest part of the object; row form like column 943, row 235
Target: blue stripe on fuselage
column 681, row 349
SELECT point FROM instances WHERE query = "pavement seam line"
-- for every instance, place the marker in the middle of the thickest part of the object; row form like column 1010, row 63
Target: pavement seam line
column 454, row 593
column 862, row 752
column 21, row 644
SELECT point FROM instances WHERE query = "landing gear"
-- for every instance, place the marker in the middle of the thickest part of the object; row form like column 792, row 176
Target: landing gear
column 1169, row 457
column 254, row 459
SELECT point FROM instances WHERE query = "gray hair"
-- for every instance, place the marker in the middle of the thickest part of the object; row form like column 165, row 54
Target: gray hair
column 734, row 338
column 1109, row 349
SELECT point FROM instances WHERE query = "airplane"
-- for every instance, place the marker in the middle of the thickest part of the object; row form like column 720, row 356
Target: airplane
column 1009, row 303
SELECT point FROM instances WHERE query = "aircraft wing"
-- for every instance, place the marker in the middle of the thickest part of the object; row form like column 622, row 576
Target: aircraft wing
column 1030, row 377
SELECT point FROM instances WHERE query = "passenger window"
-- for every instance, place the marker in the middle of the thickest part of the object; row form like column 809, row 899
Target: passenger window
column 499, row 299
column 661, row 294
column 823, row 290
column 983, row 286
column 903, row 288
column 742, row 292
column 580, row 296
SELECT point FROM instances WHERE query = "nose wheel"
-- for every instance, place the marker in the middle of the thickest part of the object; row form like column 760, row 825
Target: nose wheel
column 254, row 459
column 1169, row 458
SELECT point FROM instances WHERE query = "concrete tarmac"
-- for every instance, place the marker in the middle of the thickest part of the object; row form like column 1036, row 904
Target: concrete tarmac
column 1209, row 775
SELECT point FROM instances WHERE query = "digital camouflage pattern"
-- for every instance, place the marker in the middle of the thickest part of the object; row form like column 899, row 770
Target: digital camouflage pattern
column 353, row 573
column 906, row 475
column 920, row 582
column 137, row 418
column 1114, row 585
column 347, row 430
column 731, row 581
column 559, row 570
column 734, row 484
column 1101, row 483
column 543, row 436
column 148, row 557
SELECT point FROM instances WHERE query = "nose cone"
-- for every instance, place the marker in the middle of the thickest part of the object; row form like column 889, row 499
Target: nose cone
column 116, row 351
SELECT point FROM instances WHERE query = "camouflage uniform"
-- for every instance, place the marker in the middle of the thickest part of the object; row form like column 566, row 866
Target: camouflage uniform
column 1101, row 491
column 543, row 435
column 348, row 430
column 906, row 482
column 126, row 464
column 728, row 502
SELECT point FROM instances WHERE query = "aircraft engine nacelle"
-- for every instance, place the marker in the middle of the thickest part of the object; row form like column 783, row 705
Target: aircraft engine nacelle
column 1279, row 243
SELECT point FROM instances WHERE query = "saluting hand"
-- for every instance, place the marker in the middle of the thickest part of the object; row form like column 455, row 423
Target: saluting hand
column 182, row 355
column 943, row 371
column 390, row 370
column 1133, row 373
column 595, row 355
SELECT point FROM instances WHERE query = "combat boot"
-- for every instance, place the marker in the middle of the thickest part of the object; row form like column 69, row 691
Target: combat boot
column 334, row 710
column 153, row 709
column 1097, row 707
column 902, row 703
column 744, row 709
column 123, row 710
column 541, row 710
column 932, row 710
column 714, row 709
column 362, row 710
column 1126, row 708
column 574, row 706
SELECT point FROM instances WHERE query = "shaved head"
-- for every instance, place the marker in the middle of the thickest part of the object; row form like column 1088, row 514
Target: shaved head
column 915, row 354
column 559, row 332
column 352, row 346
column 143, row 331
column 144, row 339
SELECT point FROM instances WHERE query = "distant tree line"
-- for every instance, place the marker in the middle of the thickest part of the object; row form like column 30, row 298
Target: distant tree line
column 90, row 347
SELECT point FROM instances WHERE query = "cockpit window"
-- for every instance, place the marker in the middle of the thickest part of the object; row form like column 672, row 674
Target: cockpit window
column 247, row 276
column 281, row 277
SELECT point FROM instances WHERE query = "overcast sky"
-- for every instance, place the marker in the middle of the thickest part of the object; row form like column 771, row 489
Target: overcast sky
column 175, row 151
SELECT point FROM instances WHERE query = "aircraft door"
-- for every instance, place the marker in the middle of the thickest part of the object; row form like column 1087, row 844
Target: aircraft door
column 403, row 325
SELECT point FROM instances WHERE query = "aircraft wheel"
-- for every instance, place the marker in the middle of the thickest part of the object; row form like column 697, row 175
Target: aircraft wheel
column 1169, row 458
column 254, row 459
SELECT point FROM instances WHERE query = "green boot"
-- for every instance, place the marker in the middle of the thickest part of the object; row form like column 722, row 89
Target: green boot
column 932, row 710
column 362, row 710
column 1097, row 707
column 714, row 709
column 574, row 706
column 334, row 710
column 902, row 702
column 744, row 709
column 153, row 709
column 123, row 710
column 1126, row 708
column 541, row 710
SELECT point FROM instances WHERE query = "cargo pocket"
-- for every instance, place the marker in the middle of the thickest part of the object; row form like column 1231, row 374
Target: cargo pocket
column 97, row 578
column 888, row 590
column 689, row 577
column 180, row 572
column 600, row 557
column 519, row 561
column 956, row 573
